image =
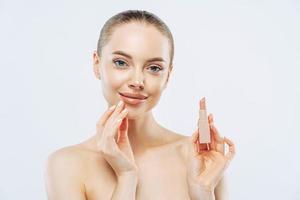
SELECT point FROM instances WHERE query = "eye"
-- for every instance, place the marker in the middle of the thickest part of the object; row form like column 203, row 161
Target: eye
column 120, row 63
column 155, row 68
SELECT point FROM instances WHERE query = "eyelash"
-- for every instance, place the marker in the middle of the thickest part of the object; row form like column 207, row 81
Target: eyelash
column 123, row 62
column 116, row 61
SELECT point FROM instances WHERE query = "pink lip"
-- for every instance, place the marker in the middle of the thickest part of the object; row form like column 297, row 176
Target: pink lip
column 132, row 101
column 133, row 95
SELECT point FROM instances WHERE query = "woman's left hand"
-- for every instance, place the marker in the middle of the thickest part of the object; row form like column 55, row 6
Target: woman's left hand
column 207, row 162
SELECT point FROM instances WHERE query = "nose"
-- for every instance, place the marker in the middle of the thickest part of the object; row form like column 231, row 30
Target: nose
column 137, row 81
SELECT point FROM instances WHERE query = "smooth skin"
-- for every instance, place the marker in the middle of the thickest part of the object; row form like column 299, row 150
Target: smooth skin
column 131, row 156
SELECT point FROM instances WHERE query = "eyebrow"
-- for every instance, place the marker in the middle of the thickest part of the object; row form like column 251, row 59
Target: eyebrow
column 130, row 57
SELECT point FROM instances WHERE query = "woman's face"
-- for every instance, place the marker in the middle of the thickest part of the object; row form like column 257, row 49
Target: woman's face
column 136, row 60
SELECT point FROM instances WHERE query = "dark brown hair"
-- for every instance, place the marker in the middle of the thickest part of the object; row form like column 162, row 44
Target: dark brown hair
column 134, row 16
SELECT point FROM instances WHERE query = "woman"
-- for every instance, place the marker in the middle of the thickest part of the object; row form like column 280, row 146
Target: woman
column 131, row 156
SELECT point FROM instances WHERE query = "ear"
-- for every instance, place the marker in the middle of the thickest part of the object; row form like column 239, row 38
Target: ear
column 96, row 65
column 169, row 73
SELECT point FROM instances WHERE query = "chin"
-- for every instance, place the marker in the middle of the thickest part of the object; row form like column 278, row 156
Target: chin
column 135, row 113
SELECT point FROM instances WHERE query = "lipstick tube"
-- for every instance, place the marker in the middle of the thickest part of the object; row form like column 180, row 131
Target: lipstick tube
column 203, row 126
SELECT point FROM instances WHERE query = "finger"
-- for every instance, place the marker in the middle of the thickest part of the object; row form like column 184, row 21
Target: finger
column 116, row 124
column 195, row 148
column 116, row 112
column 231, row 151
column 210, row 118
column 198, row 147
column 105, row 116
column 124, row 124
column 193, row 140
column 212, row 144
column 123, row 131
column 194, row 136
column 219, row 143
column 212, row 155
column 216, row 134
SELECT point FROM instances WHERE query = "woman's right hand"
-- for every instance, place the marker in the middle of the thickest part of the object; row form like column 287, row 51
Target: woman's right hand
column 113, row 142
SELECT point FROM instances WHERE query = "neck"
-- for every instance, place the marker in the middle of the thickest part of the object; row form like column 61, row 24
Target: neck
column 143, row 132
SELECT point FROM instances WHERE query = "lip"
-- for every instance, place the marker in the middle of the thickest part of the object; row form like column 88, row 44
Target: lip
column 135, row 99
column 132, row 95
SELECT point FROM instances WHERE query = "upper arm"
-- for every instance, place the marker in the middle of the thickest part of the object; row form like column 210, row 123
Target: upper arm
column 220, row 191
column 62, row 176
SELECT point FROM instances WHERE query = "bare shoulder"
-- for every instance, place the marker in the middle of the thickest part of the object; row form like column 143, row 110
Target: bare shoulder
column 72, row 159
column 63, row 172
column 65, row 157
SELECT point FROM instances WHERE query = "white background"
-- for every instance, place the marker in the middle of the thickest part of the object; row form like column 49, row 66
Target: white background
column 243, row 56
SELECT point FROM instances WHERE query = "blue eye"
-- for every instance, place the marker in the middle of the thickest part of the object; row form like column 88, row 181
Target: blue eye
column 119, row 63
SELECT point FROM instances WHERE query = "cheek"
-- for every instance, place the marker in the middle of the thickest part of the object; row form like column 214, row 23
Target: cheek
column 113, row 79
column 155, row 85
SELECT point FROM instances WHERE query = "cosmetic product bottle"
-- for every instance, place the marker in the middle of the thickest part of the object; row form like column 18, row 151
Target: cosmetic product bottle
column 203, row 126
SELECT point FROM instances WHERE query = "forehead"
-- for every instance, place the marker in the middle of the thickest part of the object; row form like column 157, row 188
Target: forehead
column 139, row 40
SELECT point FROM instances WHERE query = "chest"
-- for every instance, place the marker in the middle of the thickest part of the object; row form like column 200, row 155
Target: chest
column 162, row 175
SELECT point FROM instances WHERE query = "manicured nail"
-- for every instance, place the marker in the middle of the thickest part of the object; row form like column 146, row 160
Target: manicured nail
column 120, row 103
column 112, row 107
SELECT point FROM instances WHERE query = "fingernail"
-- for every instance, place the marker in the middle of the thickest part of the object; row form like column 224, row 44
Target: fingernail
column 120, row 103
column 112, row 107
